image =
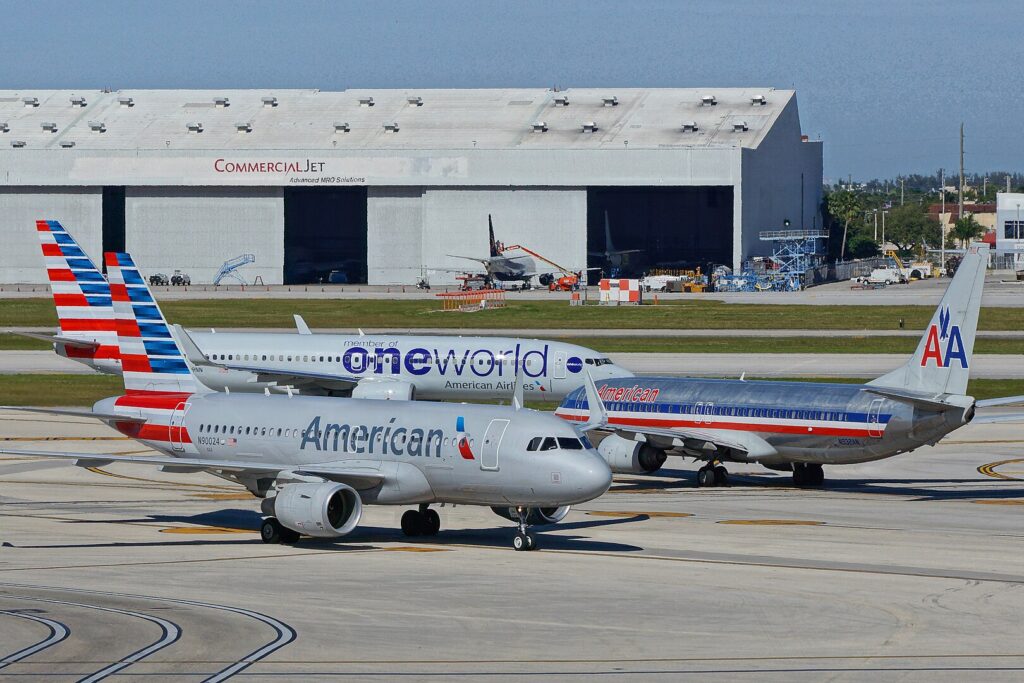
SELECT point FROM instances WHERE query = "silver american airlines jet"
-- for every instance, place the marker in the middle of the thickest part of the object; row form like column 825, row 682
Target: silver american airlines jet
column 800, row 426
column 315, row 461
column 361, row 366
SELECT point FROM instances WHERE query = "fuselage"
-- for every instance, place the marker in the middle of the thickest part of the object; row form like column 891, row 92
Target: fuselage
column 803, row 421
column 433, row 452
column 440, row 367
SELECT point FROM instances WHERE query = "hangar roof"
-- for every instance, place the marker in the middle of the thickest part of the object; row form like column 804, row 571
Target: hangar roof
column 529, row 118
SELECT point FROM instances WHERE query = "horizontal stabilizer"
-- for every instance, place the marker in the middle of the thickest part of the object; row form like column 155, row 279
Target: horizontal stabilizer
column 1002, row 401
column 71, row 412
column 919, row 399
column 990, row 419
column 58, row 339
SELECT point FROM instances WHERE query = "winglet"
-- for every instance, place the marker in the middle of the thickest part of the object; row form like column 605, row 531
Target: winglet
column 517, row 390
column 301, row 325
column 192, row 352
column 598, row 416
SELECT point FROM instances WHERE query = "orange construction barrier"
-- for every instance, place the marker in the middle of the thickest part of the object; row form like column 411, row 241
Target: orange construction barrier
column 473, row 300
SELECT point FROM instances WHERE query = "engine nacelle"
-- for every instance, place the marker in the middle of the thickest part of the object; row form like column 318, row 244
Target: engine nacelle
column 630, row 457
column 536, row 515
column 325, row 510
column 385, row 390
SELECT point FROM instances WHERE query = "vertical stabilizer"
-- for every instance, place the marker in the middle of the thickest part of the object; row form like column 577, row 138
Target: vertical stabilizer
column 490, row 230
column 941, row 364
column 151, row 359
column 80, row 294
column 609, row 248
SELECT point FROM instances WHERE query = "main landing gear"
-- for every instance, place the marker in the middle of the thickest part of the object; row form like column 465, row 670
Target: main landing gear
column 422, row 522
column 523, row 540
column 712, row 474
column 272, row 531
column 808, row 474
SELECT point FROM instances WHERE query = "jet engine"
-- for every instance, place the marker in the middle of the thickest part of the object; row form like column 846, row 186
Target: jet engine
column 630, row 457
column 325, row 510
column 536, row 515
column 387, row 390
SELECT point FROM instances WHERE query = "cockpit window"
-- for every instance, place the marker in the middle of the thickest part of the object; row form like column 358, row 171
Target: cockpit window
column 534, row 443
column 549, row 444
column 597, row 362
column 569, row 443
column 586, row 443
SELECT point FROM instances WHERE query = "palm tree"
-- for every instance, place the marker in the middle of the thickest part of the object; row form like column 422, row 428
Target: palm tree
column 967, row 229
column 844, row 207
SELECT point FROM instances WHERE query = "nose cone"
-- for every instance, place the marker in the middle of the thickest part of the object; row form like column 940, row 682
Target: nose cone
column 591, row 475
column 611, row 371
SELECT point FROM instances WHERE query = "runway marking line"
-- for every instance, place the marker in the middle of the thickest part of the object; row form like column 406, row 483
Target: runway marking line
column 415, row 549
column 989, row 469
column 1017, row 501
column 636, row 513
column 66, row 438
column 772, row 522
column 223, row 496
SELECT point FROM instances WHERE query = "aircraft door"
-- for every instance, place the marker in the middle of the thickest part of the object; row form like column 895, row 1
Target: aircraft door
column 491, row 443
column 175, row 429
column 875, row 426
column 560, row 365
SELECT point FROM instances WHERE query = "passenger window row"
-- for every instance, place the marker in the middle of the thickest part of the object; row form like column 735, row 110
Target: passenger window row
column 728, row 411
column 248, row 431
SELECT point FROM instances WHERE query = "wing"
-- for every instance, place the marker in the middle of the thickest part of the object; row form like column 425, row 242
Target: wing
column 327, row 380
column 357, row 477
column 990, row 419
column 704, row 440
column 470, row 258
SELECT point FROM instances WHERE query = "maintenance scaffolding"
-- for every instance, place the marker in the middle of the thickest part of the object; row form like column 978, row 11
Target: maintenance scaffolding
column 793, row 254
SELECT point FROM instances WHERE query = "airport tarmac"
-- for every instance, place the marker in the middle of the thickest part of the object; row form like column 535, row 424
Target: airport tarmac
column 907, row 569
column 983, row 366
column 1000, row 290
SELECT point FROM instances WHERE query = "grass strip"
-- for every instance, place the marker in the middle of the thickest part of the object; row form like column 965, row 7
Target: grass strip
column 524, row 314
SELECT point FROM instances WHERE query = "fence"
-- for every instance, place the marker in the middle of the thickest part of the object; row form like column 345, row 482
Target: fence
column 473, row 300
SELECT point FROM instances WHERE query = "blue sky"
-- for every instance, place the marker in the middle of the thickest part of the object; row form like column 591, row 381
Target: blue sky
column 884, row 84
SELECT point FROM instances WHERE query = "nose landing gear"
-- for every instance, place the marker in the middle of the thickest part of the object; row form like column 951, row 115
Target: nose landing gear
column 422, row 522
column 523, row 540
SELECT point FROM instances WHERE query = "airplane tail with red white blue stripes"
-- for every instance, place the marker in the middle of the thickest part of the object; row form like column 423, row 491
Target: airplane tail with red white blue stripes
column 151, row 359
column 82, row 298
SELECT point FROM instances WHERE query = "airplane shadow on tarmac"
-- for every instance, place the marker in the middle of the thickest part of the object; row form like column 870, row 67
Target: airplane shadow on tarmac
column 249, row 521
column 922, row 488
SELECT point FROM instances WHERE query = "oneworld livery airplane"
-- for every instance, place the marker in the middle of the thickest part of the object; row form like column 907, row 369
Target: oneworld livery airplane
column 315, row 461
column 362, row 366
column 799, row 426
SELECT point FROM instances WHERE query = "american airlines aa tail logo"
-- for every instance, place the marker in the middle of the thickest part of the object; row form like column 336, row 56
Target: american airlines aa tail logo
column 462, row 439
column 943, row 343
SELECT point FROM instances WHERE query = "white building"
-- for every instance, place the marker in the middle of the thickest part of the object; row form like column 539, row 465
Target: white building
column 385, row 184
column 1010, row 226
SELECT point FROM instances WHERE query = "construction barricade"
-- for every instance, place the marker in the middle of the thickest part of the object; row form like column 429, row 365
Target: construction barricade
column 473, row 300
column 616, row 291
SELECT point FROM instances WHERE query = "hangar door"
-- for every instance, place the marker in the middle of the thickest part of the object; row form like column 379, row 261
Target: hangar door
column 663, row 228
column 324, row 235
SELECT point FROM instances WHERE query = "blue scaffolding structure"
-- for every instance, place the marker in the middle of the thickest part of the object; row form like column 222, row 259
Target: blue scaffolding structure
column 793, row 254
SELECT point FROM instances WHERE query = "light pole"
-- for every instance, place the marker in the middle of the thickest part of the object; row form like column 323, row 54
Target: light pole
column 883, row 229
column 875, row 211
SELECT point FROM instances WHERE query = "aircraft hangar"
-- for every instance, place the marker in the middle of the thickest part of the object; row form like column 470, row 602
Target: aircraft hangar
column 384, row 186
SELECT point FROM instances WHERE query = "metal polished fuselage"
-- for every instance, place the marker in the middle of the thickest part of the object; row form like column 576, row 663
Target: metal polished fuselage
column 440, row 367
column 802, row 421
column 426, row 452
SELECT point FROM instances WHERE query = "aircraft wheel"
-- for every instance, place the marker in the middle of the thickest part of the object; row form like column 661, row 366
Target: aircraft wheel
column 270, row 530
column 815, row 474
column 522, row 542
column 531, row 542
column 800, row 474
column 412, row 523
column 431, row 522
column 721, row 476
column 705, row 477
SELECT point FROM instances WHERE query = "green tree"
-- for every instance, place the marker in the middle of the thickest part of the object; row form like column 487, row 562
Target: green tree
column 910, row 228
column 967, row 229
column 863, row 245
column 843, row 207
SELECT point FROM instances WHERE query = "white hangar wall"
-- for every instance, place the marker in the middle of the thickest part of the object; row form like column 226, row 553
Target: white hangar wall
column 79, row 210
column 196, row 229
